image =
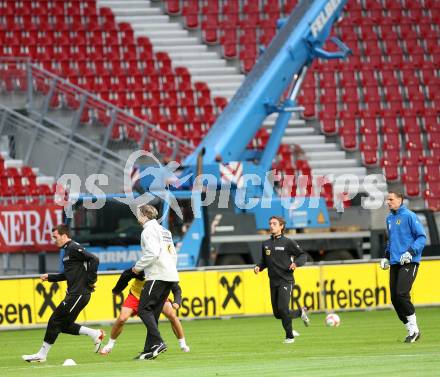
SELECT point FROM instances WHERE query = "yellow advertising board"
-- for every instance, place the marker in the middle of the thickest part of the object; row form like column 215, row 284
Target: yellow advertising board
column 214, row 293
column 351, row 288
column 17, row 302
column 425, row 290
column 46, row 297
column 103, row 301
column 230, row 292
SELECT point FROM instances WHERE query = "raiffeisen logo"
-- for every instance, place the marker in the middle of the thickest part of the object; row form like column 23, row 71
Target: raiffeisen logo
column 324, row 16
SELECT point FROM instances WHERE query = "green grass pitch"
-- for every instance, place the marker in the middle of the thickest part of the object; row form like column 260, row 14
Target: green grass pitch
column 366, row 344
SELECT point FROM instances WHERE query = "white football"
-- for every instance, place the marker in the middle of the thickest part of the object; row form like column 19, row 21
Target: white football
column 332, row 320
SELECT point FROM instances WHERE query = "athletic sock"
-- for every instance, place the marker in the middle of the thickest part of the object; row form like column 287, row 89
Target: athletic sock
column 182, row 343
column 90, row 332
column 412, row 320
column 44, row 350
column 111, row 342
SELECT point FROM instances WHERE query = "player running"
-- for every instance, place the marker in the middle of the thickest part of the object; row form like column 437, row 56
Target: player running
column 282, row 256
column 80, row 272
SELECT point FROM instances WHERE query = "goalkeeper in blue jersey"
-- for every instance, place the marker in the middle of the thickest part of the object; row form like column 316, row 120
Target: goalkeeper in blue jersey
column 406, row 240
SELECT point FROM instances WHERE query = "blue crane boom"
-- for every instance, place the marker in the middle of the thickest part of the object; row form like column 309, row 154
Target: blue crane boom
column 280, row 68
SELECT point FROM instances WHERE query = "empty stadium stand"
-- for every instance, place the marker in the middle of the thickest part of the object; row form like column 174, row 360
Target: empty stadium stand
column 381, row 104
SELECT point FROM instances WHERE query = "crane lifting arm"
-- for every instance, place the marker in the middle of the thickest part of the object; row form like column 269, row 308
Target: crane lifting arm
column 280, row 68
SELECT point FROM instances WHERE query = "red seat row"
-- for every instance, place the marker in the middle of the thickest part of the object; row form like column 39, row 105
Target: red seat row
column 21, row 182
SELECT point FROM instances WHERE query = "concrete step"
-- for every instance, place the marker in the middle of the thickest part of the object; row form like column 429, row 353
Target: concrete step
column 274, row 116
column 341, row 187
column 343, row 163
column 297, row 131
column 356, row 171
column 162, row 34
column 152, row 19
column 221, row 79
column 228, row 86
column 13, row 163
column 224, row 93
column 124, row 14
column 190, row 55
column 45, row 180
column 312, row 139
column 180, row 49
column 158, row 41
column 150, row 25
column 326, row 147
column 220, row 71
column 292, row 122
column 327, row 155
column 124, row 4
column 205, row 63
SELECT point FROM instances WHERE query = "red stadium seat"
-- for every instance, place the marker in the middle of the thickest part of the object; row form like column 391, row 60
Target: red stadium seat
column 369, row 155
column 412, row 188
column 190, row 12
column 390, row 170
column 328, row 123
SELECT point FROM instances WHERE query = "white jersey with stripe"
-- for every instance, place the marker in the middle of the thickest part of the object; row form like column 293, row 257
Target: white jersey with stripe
column 159, row 257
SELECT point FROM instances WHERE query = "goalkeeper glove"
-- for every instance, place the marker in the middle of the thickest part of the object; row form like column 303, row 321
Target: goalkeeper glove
column 405, row 258
column 384, row 264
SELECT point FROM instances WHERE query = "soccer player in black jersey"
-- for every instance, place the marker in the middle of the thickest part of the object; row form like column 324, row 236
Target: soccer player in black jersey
column 80, row 272
column 281, row 256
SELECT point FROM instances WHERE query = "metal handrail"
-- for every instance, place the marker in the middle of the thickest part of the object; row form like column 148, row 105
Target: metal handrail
column 14, row 116
column 56, row 84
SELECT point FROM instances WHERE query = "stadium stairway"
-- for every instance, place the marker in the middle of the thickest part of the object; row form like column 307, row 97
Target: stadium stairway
column 167, row 35
column 39, row 139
